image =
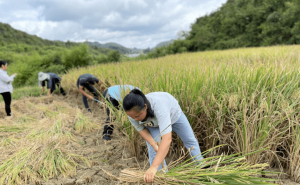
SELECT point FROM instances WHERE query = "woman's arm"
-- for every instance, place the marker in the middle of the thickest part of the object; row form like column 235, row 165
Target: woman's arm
column 84, row 93
column 147, row 136
column 163, row 150
column 49, row 92
column 6, row 78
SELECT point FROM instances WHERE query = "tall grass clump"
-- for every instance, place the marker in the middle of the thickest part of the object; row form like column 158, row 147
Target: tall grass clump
column 247, row 99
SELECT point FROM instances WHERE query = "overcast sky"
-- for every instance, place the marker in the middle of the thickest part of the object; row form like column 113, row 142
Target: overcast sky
column 132, row 23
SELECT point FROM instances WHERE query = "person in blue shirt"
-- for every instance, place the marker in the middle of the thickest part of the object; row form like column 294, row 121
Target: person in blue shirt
column 86, row 81
column 113, row 95
column 52, row 79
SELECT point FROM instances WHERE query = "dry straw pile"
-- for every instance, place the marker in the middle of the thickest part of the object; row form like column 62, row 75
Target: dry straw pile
column 39, row 142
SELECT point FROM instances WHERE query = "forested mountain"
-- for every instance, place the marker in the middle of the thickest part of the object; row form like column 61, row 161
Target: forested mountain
column 240, row 23
column 248, row 23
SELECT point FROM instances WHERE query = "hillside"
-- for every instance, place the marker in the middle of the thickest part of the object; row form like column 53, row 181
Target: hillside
column 165, row 43
column 9, row 35
column 28, row 54
column 18, row 41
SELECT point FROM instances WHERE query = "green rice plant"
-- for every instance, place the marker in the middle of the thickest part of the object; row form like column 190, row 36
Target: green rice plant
column 9, row 128
column 83, row 124
column 25, row 119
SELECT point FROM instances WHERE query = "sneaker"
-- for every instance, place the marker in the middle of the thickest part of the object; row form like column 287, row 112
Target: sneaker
column 106, row 137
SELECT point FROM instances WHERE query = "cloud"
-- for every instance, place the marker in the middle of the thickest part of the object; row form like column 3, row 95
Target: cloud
column 132, row 23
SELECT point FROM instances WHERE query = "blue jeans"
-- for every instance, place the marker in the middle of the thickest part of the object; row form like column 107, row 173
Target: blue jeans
column 185, row 132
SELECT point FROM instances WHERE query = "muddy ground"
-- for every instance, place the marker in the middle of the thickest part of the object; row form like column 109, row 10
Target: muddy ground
column 108, row 157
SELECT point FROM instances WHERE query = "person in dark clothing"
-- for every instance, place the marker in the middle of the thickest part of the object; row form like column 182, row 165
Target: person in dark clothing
column 52, row 79
column 113, row 95
column 86, row 81
column 6, row 87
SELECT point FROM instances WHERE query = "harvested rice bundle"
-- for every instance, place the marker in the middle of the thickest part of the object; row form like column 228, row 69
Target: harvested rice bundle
column 231, row 169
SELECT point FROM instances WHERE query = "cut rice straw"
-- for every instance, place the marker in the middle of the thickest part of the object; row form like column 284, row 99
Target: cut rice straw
column 231, row 169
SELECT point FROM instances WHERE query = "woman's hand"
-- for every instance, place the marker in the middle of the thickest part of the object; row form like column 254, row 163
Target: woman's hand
column 90, row 97
column 150, row 174
column 15, row 74
column 155, row 148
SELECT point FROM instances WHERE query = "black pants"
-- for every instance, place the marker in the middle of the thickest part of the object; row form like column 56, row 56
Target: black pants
column 7, row 101
column 84, row 98
column 61, row 90
column 108, row 128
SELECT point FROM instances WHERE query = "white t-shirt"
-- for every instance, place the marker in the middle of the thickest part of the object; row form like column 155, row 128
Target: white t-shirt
column 166, row 112
column 5, row 82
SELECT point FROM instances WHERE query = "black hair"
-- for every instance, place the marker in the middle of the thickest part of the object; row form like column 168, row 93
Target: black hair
column 136, row 100
column 2, row 63
column 91, row 81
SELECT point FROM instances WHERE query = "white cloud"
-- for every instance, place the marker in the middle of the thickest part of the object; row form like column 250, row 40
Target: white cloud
column 132, row 23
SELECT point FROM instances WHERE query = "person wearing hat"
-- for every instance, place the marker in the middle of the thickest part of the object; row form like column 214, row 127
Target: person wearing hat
column 113, row 95
column 52, row 79
column 6, row 87
column 86, row 81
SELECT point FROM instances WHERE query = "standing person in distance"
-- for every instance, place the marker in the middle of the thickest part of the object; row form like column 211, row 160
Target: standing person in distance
column 113, row 95
column 86, row 81
column 52, row 79
column 6, row 88
column 158, row 114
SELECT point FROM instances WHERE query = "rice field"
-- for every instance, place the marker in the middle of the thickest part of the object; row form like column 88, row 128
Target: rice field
column 242, row 104
column 244, row 99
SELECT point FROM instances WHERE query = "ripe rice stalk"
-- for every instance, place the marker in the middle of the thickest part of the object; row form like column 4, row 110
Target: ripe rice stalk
column 8, row 142
column 224, row 169
column 294, row 155
column 57, row 130
column 83, row 124
column 39, row 161
column 263, row 83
